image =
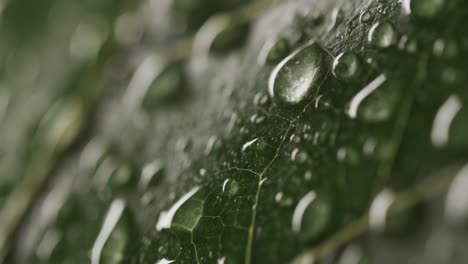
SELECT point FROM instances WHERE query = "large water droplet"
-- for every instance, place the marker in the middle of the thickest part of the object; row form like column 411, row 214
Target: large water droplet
column 379, row 209
column 312, row 216
column 382, row 35
column 297, row 75
column 346, row 66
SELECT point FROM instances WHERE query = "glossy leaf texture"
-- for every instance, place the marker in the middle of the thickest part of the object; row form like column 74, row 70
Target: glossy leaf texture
column 263, row 132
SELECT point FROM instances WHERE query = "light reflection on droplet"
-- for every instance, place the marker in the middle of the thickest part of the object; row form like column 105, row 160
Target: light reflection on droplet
column 379, row 209
column 443, row 120
column 112, row 218
column 359, row 97
column 456, row 210
column 165, row 218
column 300, row 210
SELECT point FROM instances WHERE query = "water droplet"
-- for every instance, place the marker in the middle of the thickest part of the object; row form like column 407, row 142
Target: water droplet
column 365, row 17
column 297, row 75
column 165, row 261
column 257, row 119
column 372, row 104
column 282, row 200
column 424, row 9
column 346, row 66
column 408, row 44
column 214, row 145
column 299, row 156
column 443, row 120
column 337, row 17
column 166, row 87
column 261, row 99
column 382, row 35
column 221, row 34
column 456, row 211
column 447, row 49
column 114, row 238
column 151, row 175
column 351, row 255
column 311, row 216
column 166, row 217
column 273, row 51
column 379, row 209
column 231, row 187
column 122, row 176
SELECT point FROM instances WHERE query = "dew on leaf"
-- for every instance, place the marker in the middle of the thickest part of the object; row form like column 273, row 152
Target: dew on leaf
column 151, row 175
column 230, row 187
column 445, row 48
column 221, row 34
column 382, row 35
column 283, row 200
column 261, row 99
column 295, row 77
column 165, row 261
column 114, row 238
column 365, row 17
column 456, row 211
column 337, row 17
column 372, row 104
column 273, row 51
column 214, row 145
column 408, row 44
column 166, row 86
column 166, row 217
column 311, row 216
column 346, row 66
column 379, row 209
column 299, row 156
column 424, row 9
column 443, row 120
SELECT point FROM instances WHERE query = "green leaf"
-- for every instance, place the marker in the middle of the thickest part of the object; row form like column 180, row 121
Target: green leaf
column 241, row 132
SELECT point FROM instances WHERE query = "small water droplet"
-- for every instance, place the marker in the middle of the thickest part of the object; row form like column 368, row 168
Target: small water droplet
column 151, row 175
column 446, row 114
column 365, row 17
column 456, row 211
column 382, row 35
column 346, row 66
column 297, row 75
column 379, row 209
column 311, row 216
column 221, row 34
column 231, row 187
column 261, row 99
column 166, row 217
column 372, row 104
column 166, row 87
column 214, row 145
column 445, row 48
column 299, row 156
column 424, row 9
column 337, row 17
column 407, row 44
column 283, row 200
